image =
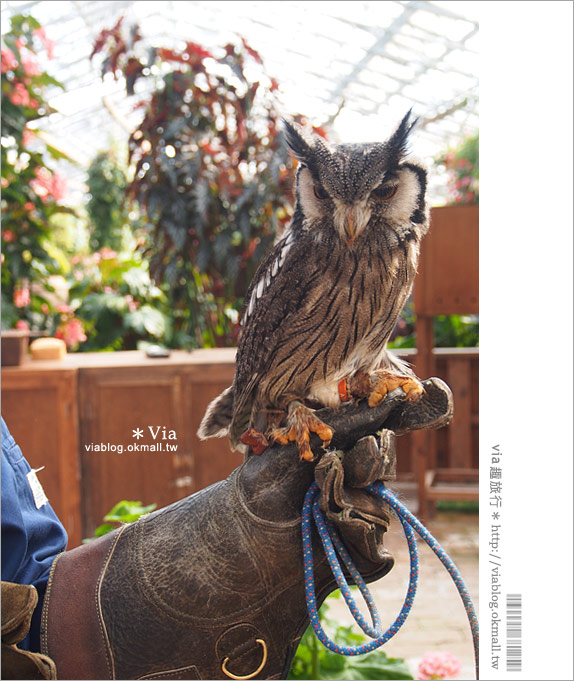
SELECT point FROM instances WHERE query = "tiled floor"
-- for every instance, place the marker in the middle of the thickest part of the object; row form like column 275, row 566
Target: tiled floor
column 437, row 621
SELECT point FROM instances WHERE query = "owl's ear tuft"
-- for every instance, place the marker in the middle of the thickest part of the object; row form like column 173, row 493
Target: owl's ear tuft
column 298, row 145
column 397, row 145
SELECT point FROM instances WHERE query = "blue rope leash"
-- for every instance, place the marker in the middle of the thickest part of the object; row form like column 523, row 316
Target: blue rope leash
column 333, row 545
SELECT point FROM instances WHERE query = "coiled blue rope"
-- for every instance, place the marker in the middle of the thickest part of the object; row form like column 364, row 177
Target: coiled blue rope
column 333, row 545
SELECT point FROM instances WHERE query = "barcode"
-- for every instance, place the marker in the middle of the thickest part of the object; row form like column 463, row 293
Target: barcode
column 513, row 632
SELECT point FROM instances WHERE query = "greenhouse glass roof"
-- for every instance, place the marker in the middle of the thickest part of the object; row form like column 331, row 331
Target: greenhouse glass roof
column 353, row 67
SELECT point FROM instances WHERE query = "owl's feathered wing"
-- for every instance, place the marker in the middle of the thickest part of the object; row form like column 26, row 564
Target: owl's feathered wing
column 258, row 331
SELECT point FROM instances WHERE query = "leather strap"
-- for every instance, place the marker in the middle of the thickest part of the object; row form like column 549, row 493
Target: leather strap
column 74, row 589
column 343, row 389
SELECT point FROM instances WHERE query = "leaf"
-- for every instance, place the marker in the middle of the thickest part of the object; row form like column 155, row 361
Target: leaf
column 94, row 304
column 377, row 665
column 128, row 511
column 103, row 529
column 137, row 280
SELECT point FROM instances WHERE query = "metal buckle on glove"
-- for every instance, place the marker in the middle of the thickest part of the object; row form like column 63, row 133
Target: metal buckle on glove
column 253, row 674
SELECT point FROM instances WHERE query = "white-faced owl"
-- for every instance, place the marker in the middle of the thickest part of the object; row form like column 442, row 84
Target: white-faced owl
column 322, row 305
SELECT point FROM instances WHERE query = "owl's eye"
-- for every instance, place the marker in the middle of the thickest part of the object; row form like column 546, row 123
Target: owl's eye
column 319, row 192
column 385, row 193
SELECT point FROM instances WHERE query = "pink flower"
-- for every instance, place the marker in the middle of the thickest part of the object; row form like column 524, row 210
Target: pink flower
column 22, row 296
column 107, row 253
column 72, row 333
column 48, row 185
column 132, row 304
column 20, row 96
column 30, row 67
column 438, row 666
column 8, row 235
column 22, row 325
column 9, row 61
column 48, row 44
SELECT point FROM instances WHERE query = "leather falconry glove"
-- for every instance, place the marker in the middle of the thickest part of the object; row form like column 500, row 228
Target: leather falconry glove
column 212, row 587
column 18, row 603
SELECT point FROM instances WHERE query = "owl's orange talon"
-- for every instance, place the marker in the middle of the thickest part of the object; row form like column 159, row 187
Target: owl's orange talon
column 383, row 382
column 301, row 421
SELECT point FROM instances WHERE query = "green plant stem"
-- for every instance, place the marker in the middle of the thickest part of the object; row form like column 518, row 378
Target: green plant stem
column 314, row 657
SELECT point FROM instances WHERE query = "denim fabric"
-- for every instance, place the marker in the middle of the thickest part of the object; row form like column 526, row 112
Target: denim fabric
column 31, row 537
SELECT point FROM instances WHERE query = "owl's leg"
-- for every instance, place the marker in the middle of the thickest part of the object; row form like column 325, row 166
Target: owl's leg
column 377, row 384
column 301, row 421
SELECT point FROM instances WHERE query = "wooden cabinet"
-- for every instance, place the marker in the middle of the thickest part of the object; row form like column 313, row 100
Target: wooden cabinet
column 118, row 426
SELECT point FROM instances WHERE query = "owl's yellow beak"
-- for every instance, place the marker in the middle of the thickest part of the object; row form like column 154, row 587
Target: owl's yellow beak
column 350, row 221
column 350, row 226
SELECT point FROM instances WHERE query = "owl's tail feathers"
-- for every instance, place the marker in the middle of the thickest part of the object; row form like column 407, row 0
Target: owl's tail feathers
column 218, row 416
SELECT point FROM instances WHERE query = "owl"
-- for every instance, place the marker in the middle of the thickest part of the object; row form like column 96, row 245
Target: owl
column 322, row 305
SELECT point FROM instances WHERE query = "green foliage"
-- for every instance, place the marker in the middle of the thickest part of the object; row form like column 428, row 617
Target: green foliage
column 211, row 175
column 454, row 331
column 313, row 661
column 107, row 184
column 470, row 507
column 450, row 331
column 123, row 512
column 113, row 295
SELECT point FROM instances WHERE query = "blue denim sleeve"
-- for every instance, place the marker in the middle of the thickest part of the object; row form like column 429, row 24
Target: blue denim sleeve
column 31, row 537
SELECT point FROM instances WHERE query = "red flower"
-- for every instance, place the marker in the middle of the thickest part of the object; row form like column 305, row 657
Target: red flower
column 8, row 236
column 197, row 51
column 22, row 325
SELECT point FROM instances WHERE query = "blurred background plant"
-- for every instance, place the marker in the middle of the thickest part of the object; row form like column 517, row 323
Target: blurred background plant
column 450, row 331
column 211, row 176
column 461, row 165
column 32, row 192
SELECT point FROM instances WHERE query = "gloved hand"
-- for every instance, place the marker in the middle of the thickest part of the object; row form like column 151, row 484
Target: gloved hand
column 212, row 586
column 18, row 603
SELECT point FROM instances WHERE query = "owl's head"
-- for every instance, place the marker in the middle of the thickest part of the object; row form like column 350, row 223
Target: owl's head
column 355, row 188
